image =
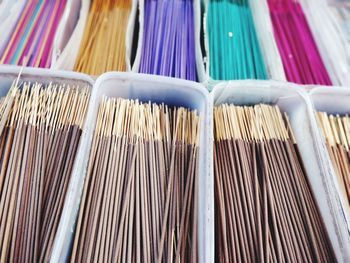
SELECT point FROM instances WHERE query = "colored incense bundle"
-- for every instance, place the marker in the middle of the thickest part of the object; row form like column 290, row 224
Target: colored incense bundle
column 30, row 41
column 168, row 42
column 300, row 55
column 139, row 200
column 103, row 45
column 38, row 145
column 336, row 131
column 234, row 49
column 264, row 208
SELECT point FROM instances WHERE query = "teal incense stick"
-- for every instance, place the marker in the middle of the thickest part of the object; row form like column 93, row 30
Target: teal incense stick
column 234, row 49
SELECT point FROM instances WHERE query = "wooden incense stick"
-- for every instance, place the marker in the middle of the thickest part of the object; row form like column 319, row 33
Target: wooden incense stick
column 336, row 131
column 39, row 143
column 103, row 45
column 139, row 198
column 265, row 208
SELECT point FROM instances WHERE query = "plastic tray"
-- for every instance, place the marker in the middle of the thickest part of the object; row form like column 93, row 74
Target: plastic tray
column 293, row 100
column 9, row 73
column 146, row 88
column 323, row 99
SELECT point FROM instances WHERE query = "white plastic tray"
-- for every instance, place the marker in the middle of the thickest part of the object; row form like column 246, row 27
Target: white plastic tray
column 9, row 73
column 335, row 100
column 293, row 100
column 145, row 88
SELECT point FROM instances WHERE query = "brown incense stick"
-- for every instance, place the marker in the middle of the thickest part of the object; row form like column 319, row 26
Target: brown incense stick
column 336, row 131
column 139, row 199
column 41, row 135
column 265, row 209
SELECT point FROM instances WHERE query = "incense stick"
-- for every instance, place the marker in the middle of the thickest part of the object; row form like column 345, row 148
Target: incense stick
column 336, row 131
column 300, row 55
column 140, row 192
column 168, row 41
column 30, row 40
column 34, row 171
column 234, row 48
column 103, row 45
column 265, row 209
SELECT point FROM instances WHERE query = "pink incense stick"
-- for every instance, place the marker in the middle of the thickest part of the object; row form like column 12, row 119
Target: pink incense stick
column 31, row 42
column 34, row 35
column 47, row 54
column 300, row 56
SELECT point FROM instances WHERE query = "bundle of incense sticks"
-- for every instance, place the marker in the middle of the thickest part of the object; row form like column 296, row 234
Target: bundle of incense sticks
column 264, row 208
column 103, row 45
column 30, row 40
column 38, row 145
column 336, row 131
column 168, row 43
column 233, row 45
column 139, row 201
column 300, row 55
